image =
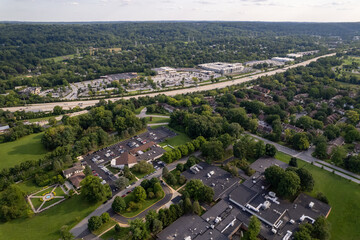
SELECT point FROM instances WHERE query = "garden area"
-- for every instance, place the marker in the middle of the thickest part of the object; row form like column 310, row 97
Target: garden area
column 45, row 198
column 345, row 209
column 21, row 150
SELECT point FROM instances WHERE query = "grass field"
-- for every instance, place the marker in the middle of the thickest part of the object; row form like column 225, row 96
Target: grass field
column 141, row 175
column 138, row 110
column 343, row 196
column 157, row 120
column 112, row 234
column 26, row 148
column 61, row 58
column 36, row 202
column 47, row 224
column 104, row 227
column 39, row 119
column 59, row 192
column 145, row 204
column 28, row 186
column 180, row 139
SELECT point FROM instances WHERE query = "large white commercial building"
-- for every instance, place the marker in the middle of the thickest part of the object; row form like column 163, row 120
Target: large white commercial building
column 223, row 68
column 282, row 59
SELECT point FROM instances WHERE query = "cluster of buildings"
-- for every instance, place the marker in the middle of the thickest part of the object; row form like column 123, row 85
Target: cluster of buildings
column 301, row 54
column 28, row 90
column 75, row 174
column 230, row 216
column 222, row 67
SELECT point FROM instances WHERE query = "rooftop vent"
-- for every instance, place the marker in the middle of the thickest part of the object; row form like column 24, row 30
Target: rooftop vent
column 311, row 204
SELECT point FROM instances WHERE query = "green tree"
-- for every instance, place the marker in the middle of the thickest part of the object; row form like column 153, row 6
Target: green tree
column 122, row 182
column 140, row 194
column 118, row 204
column 306, row 179
column 293, row 162
column 138, row 229
column 270, row 150
column 289, row 184
column 196, row 207
column 65, row 233
column 188, row 208
column 253, row 229
column 92, row 189
column 353, row 116
column 321, row 150
column 87, row 170
column 94, row 223
column 12, row 202
column 105, row 217
column 213, row 150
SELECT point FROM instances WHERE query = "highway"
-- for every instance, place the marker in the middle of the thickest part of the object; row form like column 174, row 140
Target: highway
column 83, row 104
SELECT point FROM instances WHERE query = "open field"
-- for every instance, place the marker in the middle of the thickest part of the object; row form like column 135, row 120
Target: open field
column 138, row 110
column 62, row 58
column 343, row 197
column 29, row 186
column 180, row 139
column 21, row 150
column 47, row 224
column 112, row 234
column 145, row 204
column 157, row 120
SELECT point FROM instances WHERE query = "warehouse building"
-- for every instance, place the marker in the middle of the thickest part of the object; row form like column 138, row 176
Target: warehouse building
column 223, row 68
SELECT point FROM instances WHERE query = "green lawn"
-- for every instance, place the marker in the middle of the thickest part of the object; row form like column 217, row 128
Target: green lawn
column 47, row 190
column 343, row 196
column 28, row 186
column 180, row 139
column 59, row 192
column 157, row 120
column 138, row 110
column 47, row 224
column 26, row 148
column 39, row 119
column 36, row 202
column 104, row 227
column 112, row 234
column 51, row 202
column 145, row 204
column 141, row 175
column 62, row 58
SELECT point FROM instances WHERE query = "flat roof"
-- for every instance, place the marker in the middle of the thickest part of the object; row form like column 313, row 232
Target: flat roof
column 221, row 181
column 262, row 163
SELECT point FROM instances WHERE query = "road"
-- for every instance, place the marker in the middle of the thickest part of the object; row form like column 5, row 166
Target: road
column 81, row 228
column 143, row 114
column 306, row 156
column 83, row 104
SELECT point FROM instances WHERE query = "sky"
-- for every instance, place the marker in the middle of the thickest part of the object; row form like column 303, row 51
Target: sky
column 146, row 10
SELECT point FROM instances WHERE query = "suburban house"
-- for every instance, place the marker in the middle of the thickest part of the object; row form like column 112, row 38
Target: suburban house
column 125, row 159
column 261, row 89
column 168, row 107
column 76, row 179
column 76, row 168
column 75, row 174
column 4, row 129
column 335, row 143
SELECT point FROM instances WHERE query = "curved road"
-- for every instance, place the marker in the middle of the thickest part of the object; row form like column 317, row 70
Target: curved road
column 67, row 105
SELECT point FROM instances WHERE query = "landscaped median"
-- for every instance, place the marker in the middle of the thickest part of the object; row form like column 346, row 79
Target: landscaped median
column 134, row 210
column 149, row 193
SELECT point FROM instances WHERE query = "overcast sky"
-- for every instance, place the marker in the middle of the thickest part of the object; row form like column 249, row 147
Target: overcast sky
column 134, row 10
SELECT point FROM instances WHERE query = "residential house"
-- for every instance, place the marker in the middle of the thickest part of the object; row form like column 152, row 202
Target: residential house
column 76, row 168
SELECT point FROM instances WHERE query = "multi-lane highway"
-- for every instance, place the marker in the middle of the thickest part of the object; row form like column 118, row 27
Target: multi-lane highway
column 82, row 104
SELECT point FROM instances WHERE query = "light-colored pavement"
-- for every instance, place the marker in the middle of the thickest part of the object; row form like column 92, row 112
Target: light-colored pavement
column 83, row 104
column 143, row 114
column 81, row 227
column 306, row 156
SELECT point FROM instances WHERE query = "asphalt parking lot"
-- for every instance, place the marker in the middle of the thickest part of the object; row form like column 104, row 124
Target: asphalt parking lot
column 99, row 159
